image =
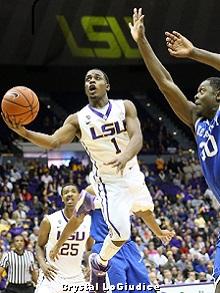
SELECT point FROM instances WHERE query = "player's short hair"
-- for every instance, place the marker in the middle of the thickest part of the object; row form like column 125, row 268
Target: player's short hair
column 68, row 184
column 18, row 235
column 214, row 83
column 105, row 75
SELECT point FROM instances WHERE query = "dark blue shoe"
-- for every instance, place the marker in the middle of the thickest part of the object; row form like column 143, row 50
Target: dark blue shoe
column 98, row 274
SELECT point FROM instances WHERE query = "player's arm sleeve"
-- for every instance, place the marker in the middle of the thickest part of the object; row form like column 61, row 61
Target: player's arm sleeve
column 206, row 57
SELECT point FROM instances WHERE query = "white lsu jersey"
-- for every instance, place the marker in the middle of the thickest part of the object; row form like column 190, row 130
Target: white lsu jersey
column 104, row 136
column 71, row 253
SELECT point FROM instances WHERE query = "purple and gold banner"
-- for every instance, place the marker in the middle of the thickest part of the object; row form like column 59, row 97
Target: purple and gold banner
column 75, row 32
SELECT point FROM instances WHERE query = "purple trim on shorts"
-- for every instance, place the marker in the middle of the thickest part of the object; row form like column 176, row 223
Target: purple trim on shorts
column 99, row 191
column 106, row 199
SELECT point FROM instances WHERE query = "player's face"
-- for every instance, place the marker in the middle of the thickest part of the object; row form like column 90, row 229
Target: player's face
column 205, row 100
column 19, row 243
column 70, row 195
column 95, row 84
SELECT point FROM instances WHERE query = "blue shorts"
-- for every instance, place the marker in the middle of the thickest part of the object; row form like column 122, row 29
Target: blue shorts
column 127, row 267
column 216, row 270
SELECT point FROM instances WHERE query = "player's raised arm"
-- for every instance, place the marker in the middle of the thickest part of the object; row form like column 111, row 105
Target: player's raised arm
column 177, row 100
column 65, row 134
column 180, row 47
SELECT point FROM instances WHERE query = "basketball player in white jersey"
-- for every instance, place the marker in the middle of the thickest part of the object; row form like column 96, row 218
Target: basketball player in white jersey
column 110, row 132
column 59, row 275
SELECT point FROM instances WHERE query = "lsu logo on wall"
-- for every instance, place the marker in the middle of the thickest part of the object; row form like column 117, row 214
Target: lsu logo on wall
column 109, row 33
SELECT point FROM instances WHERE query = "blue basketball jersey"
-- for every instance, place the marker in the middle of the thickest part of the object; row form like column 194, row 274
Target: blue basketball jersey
column 127, row 266
column 208, row 143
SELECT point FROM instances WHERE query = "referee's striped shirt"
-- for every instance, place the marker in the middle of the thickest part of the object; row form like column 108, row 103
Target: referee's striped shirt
column 18, row 266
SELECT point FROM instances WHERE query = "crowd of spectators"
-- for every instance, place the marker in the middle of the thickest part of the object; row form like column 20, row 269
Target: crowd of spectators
column 183, row 203
column 157, row 138
column 29, row 189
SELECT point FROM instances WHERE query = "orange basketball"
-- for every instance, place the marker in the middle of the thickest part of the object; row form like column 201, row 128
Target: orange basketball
column 20, row 104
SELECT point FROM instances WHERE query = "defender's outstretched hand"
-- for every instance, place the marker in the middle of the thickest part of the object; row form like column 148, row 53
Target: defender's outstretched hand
column 137, row 28
column 178, row 45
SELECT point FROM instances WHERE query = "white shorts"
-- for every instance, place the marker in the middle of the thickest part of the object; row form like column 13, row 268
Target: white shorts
column 121, row 196
column 62, row 285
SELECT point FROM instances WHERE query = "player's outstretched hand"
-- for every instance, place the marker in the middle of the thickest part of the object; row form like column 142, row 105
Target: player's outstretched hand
column 137, row 28
column 178, row 45
column 54, row 253
column 166, row 236
column 12, row 125
column 49, row 271
column 119, row 162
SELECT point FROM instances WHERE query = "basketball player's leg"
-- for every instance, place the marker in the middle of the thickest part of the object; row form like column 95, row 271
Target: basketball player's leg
column 47, row 287
column 217, row 288
column 142, row 200
column 116, row 212
column 116, row 208
column 216, row 270
column 117, row 275
column 137, row 273
column 143, row 207
column 76, row 284
column 117, row 270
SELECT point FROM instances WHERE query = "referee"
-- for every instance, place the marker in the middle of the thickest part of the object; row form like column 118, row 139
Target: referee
column 20, row 267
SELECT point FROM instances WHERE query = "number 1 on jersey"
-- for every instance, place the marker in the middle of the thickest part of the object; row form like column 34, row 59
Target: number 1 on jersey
column 113, row 140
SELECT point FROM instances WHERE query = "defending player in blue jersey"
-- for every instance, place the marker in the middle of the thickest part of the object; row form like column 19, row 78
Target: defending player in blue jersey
column 127, row 266
column 202, row 116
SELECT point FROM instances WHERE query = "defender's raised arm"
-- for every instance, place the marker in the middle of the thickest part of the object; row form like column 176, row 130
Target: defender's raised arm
column 180, row 47
column 175, row 97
